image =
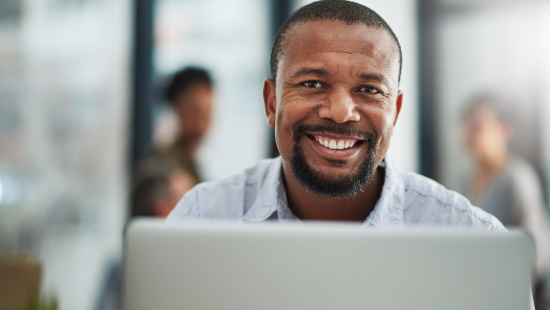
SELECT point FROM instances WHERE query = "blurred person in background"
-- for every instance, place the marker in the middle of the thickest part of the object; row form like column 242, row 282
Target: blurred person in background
column 190, row 94
column 503, row 183
column 157, row 187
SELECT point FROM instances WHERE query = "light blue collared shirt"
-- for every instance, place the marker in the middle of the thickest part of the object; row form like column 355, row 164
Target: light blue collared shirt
column 258, row 194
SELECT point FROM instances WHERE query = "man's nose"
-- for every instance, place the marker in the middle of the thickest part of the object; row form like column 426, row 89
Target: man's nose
column 340, row 107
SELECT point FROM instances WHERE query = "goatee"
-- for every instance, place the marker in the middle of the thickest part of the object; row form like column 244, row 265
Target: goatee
column 346, row 186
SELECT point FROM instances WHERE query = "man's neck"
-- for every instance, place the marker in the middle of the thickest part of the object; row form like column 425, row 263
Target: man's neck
column 310, row 206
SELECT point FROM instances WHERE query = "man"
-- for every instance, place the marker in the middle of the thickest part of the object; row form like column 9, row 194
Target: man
column 190, row 93
column 334, row 101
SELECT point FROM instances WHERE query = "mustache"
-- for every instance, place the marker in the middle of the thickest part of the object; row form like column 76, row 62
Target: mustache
column 341, row 129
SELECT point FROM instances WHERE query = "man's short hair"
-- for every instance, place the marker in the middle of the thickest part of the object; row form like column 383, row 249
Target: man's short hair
column 183, row 79
column 338, row 10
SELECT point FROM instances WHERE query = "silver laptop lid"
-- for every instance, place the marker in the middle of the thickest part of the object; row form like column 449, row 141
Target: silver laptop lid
column 206, row 266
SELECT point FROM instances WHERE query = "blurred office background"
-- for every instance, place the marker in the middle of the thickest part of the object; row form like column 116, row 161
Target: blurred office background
column 79, row 104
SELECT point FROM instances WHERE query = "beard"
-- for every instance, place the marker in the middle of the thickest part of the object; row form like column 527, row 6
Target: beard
column 346, row 186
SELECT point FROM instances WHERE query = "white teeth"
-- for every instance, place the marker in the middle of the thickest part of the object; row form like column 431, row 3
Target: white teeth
column 334, row 144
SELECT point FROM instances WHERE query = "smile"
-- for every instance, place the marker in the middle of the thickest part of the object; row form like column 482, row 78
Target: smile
column 335, row 144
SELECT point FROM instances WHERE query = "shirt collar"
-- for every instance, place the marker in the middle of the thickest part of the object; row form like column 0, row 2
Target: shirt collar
column 388, row 210
column 271, row 202
column 271, row 194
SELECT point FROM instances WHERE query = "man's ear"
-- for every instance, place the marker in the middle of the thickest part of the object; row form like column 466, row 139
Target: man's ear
column 398, row 103
column 270, row 103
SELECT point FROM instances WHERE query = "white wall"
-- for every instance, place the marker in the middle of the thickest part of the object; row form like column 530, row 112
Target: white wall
column 543, row 19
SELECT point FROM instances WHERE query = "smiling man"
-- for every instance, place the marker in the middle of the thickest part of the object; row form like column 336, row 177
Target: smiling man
column 334, row 100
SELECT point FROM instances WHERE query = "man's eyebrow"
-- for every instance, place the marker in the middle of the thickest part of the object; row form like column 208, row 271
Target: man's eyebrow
column 374, row 77
column 306, row 71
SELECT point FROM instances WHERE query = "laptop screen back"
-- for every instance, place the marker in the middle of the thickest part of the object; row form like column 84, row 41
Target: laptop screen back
column 206, row 266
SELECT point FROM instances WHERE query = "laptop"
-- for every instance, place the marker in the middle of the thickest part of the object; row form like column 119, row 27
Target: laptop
column 322, row 266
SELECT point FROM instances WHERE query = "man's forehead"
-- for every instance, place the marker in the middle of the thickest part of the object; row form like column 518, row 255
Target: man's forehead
column 307, row 38
column 335, row 32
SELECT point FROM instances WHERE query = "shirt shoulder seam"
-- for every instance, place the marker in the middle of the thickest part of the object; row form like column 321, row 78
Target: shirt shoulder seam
column 452, row 206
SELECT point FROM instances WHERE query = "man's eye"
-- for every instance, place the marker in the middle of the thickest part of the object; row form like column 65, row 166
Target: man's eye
column 312, row 84
column 369, row 90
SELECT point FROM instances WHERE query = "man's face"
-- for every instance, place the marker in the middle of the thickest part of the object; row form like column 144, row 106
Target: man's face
column 194, row 109
column 335, row 104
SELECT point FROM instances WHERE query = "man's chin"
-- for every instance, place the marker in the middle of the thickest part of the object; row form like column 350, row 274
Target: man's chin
column 332, row 176
column 335, row 184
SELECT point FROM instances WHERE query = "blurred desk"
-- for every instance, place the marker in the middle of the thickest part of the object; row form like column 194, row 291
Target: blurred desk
column 20, row 281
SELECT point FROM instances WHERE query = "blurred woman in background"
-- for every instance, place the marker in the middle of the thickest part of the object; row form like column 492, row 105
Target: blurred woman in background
column 503, row 183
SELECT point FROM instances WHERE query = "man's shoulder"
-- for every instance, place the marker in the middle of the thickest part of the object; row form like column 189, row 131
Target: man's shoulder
column 227, row 198
column 427, row 202
column 234, row 185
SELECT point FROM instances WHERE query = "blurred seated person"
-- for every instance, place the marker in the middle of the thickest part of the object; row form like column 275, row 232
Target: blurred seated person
column 157, row 187
column 503, row 183
column 190, row 94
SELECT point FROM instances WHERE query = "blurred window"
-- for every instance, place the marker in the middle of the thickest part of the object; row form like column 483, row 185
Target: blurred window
column 63, row 112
